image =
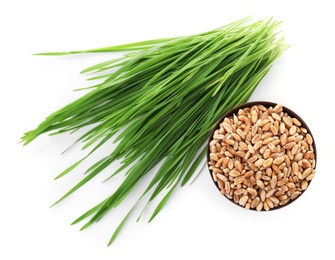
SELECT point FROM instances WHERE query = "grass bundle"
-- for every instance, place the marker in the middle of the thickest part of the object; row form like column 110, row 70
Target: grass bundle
column 163, row 97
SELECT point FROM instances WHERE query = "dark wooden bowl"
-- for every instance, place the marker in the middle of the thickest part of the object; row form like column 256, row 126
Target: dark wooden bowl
column 265, row 104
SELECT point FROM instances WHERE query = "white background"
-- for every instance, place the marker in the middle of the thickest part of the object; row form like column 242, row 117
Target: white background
column 197, row 223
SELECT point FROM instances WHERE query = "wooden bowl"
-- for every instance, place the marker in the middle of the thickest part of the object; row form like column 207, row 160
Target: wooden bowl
column 235, row 110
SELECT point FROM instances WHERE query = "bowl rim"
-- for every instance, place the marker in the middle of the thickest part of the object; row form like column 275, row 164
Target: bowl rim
column 267, row 104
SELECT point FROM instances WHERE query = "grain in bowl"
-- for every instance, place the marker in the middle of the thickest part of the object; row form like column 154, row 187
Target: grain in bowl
column 261, row 156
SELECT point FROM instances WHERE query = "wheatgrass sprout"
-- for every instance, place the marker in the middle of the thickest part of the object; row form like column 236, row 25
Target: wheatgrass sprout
column 163, row 98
